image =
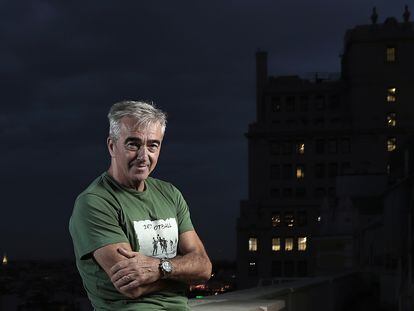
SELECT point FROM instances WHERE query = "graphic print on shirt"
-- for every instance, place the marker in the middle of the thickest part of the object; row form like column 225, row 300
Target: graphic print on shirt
column 157, row 238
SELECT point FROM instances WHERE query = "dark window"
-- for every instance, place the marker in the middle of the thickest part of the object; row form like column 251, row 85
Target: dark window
column 345, row 145
column 320, row 192
column 319, row 121
column 290, row 103
column 287, row 193
column 275, row 171
column 345, row 168
column 320, row 170
column 276, row 268
column 332, row 146
column 333, row 102
column 287, row 147
column 304, row 103
column 287, row 171
column 320, row 102
column 333, row 170
column 275, row 147
column 276, row 106
column 320, row 146
column 275, row 192
column 289, row 267
column 302, row 217
column 300, row 192
column 302, row 268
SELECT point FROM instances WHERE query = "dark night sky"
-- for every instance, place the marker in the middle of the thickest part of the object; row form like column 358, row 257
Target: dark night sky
column 63, row 63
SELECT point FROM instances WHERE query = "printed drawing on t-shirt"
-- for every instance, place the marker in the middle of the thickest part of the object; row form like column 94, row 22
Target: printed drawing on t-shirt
column 157, row 238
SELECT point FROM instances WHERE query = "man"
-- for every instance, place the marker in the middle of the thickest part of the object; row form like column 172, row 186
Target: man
column 123, row 222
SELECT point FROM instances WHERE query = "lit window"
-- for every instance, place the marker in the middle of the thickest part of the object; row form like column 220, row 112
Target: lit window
column 276, row 244
column 300, row 147
column 300, row 171
column 289, row 244
column 388, row 169
column 391, row 144
column 289, row 219
column 276, row 221
column 391, row 119
column 253, row 245
column 390, row 54
column 319, row 218
column 391, row 94
column 302, row 244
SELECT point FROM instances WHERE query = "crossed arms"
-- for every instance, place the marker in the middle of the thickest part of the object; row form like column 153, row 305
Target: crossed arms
column 134, row 274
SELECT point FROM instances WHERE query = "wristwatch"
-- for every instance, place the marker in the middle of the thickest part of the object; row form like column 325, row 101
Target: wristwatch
column 166, row 267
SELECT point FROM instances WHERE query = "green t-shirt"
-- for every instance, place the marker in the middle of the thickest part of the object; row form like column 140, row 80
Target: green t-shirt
column 151, row 221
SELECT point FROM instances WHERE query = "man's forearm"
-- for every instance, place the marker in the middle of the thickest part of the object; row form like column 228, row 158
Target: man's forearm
column 191, row 267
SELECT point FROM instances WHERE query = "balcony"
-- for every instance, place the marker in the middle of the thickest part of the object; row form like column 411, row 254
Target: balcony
column 320, row 293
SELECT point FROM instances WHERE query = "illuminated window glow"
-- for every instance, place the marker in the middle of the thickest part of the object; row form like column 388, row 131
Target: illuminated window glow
column 391, row 119
column 300, row 172
column 289, row 244
column 391, row 144
column 253, row 245
column 302, row 243
column 390, row 54
column 276, row 244
column 391, row 94
column 300, row 148
column 276, row 221
column 289, row 219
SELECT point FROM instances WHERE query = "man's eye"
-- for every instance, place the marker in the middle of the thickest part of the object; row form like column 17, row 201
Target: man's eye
column 153, row 147
column 132, row 146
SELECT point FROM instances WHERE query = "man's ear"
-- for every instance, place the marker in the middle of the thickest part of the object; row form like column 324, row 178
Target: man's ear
column 111, row 145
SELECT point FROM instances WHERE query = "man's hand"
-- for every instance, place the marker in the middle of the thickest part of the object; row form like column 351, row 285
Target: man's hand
column 135, row 271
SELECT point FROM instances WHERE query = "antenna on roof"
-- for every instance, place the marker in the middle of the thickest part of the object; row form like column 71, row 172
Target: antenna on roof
column 406, row 14
column 374, row 15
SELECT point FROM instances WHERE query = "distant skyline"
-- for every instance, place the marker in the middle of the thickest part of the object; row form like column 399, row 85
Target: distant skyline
column 64, row 64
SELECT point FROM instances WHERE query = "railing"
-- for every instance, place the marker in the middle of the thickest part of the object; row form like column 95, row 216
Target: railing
column 319, row 293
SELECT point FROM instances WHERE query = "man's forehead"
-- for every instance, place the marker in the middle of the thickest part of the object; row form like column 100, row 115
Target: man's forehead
column 131, row 125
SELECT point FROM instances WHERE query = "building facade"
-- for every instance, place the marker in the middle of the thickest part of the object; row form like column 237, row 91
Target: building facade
column 310, row 132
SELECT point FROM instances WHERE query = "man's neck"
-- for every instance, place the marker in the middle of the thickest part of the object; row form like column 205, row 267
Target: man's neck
column 139, row 186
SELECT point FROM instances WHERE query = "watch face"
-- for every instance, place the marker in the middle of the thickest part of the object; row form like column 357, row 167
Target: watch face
column 166, row 266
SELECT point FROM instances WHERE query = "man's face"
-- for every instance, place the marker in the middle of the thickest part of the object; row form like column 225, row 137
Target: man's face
column 135, row 153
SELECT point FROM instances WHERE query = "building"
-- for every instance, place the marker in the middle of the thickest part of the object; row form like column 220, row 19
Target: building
column 309, row 138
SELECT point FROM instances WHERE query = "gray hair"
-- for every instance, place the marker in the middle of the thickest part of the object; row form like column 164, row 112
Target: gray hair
column 145, row 114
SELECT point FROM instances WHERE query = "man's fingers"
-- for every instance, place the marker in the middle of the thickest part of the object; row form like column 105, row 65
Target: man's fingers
column 126, row 253
column 130, row 285
column 119, row 265
column 126, row 279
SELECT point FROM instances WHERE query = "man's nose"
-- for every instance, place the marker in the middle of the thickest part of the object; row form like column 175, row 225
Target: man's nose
column 142, row 153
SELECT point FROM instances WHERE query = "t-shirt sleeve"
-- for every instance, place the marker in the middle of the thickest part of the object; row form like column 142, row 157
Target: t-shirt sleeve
column 183, row 213
column 94, row 224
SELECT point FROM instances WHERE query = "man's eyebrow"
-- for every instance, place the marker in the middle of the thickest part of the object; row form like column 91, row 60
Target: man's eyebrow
column 154, row 141
column 128, row 139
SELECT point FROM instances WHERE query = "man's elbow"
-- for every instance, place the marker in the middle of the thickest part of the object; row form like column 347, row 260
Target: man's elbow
column 206, row 274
